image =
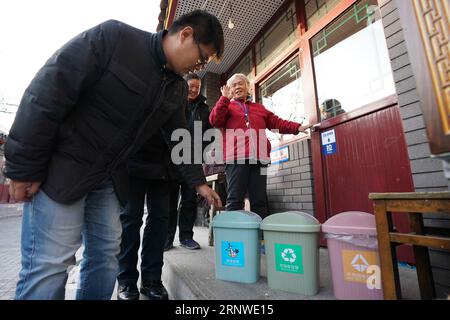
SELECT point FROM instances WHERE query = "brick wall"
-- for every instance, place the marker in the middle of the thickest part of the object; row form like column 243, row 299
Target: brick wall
column 291, row 186
column 427, row 172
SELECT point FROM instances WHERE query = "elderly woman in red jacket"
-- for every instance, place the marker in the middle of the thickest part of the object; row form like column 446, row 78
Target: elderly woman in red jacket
column 246, row 149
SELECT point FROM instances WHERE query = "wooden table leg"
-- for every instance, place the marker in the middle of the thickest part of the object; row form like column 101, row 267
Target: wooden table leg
column 424, row 272
column 389, row 271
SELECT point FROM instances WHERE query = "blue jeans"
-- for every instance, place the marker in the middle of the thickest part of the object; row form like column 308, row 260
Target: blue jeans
column 53, row 232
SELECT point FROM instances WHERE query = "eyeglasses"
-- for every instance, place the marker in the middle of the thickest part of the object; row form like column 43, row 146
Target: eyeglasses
column 203, row 60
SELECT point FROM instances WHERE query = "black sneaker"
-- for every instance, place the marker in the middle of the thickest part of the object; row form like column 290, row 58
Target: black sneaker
column 190, row 244
column 154, row 290
column 168, row 246
column 127, row 292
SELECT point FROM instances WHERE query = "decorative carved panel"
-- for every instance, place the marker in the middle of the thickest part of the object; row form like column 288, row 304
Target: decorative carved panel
column 433, row 23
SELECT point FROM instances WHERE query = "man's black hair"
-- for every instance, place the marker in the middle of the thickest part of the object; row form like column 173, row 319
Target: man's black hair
column 191, row 76
column 207, row 29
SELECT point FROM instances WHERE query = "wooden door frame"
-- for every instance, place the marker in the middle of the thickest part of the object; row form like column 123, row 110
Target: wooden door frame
column 426, row 73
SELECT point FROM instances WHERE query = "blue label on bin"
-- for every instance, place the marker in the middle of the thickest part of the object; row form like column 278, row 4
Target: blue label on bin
column 233, row 254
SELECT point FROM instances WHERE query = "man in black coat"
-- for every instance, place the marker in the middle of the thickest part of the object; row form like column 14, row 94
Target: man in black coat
column 197, row 111
column 95, row 102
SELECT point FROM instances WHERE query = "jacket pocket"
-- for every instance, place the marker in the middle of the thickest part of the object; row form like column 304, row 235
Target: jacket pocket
column 127, row 78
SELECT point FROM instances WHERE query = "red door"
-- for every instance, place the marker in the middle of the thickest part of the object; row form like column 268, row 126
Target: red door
column 371, row 156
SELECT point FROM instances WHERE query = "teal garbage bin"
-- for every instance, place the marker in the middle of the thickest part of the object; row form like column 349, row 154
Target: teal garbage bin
column 237, row 243
column 292, row 252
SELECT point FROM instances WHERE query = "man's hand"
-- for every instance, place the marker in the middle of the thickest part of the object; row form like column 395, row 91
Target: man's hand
column 210, row 195
column 23, row 191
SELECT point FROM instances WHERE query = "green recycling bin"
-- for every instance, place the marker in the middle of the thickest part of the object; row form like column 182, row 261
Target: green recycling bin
column 292, row 252
column 237, row 240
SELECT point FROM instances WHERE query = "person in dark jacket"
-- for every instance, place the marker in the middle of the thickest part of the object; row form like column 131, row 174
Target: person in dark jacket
column 197, row 112
column 149, row 178
column 95, row 102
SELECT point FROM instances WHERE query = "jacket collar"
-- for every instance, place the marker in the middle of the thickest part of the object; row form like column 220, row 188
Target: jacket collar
column 156, row 47
column 198, row 101
column 248, row 100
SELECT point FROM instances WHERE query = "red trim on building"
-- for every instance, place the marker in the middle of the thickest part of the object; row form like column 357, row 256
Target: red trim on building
column 171, row 16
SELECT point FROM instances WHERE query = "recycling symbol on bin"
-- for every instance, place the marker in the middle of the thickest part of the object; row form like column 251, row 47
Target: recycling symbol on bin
column 360, row 263
column 289, row 255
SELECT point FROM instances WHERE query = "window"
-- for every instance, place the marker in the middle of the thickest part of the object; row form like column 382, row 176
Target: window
column 316, row 9
column 351, row 61
column 283, row 95
column 276, row 39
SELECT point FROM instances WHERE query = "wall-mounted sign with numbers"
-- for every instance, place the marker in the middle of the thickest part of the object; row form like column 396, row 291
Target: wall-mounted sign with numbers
column 329, row 142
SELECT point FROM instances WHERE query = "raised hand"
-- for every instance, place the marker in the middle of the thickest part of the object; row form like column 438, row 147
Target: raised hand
column 225, row 90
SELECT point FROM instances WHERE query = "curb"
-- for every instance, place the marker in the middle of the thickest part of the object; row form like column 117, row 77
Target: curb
column 176, row 286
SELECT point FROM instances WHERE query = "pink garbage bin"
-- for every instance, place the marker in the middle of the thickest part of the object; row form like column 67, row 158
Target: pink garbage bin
column 354, row 259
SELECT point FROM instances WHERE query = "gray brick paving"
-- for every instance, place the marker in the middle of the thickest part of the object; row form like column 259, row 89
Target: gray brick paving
column 10, row 210
column 9, row 251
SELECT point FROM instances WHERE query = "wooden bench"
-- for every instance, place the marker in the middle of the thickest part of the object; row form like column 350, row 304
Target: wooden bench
column 415, row 204
column 214, row 181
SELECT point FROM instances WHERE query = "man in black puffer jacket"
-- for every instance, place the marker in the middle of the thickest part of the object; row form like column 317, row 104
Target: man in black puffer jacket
column 95, row 102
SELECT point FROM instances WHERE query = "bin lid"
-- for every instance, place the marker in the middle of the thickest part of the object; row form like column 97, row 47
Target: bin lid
column 351, row 222
column 291, row 221
column 239, row 219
